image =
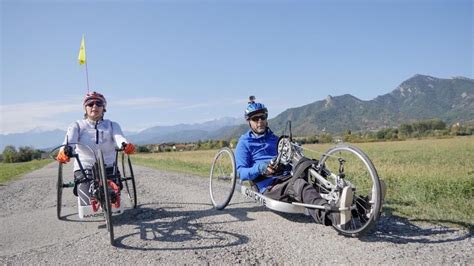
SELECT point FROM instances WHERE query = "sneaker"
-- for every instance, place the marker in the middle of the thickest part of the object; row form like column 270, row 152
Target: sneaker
column 113, row 196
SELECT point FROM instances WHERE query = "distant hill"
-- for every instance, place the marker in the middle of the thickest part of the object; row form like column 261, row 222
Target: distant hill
column 35, row 138
column 41, row 139
column 418, row 98
column 185, row 132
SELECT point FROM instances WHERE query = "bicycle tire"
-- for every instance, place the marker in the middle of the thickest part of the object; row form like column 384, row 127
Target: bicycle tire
column 222, row 178
column 129, row 179
column 367, row 198
column 59, row 191
column 105, row 201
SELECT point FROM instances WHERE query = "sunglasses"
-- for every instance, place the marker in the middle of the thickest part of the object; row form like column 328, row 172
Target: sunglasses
column 96, row 103
column 258, row 117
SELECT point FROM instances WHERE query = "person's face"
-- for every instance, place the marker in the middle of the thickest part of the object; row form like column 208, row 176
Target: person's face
column 258, row 123
column 95, row 110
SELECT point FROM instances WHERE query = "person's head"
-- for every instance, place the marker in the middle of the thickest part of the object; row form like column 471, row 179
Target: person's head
column 256, row 114
column 94, row 105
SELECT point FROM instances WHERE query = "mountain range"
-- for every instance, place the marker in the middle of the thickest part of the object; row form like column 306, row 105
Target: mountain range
column 418, row 98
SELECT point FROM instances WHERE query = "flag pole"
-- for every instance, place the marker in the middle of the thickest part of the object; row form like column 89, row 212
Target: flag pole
column 87, row 78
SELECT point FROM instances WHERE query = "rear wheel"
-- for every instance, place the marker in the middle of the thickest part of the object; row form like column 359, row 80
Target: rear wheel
column 105, row 201
column 222, row 178
column 129, row 178
column 59, row 191
column 360, row 173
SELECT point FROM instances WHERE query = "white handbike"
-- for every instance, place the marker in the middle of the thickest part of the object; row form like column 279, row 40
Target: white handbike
column 340, row 166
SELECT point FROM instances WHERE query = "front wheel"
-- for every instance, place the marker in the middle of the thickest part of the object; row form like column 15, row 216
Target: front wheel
column 360, row 173
column 222, row 178
column 59, row 191
column 129, row 178
column 105, row 201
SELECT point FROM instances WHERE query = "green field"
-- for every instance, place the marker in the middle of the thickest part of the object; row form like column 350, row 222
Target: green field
column 431, row 179
column 10, row 171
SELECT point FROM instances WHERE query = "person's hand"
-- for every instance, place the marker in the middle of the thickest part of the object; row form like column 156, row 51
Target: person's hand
column 269, row 171
column 62, row 157
column 265, row 169
column 129, row 148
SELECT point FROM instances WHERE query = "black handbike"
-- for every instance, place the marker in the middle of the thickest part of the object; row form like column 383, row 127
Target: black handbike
column 100, row 182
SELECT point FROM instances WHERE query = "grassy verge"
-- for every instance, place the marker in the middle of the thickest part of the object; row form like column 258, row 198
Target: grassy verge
column 430, row 179
column 10, row 171
column 191, row 162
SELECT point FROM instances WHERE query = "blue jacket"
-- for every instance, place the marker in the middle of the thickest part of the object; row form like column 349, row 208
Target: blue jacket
column 252, row 155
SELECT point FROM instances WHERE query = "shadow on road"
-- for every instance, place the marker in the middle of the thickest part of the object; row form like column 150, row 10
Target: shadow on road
column 393, row 229
column 401, row 230
column 174, row 228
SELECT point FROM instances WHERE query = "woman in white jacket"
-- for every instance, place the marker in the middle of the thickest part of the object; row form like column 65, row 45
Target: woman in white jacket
column 94, row 133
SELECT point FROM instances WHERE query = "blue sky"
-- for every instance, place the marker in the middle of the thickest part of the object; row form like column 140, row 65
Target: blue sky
column 170, row 62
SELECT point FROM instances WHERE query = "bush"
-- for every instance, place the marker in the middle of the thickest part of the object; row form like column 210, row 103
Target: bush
column 24, row 154
column 10, row 154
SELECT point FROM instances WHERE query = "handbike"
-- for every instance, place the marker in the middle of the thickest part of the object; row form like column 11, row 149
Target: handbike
column 101, row 182
column 340, row 166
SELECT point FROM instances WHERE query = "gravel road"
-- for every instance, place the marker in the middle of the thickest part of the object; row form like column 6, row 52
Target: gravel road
column 176, row 224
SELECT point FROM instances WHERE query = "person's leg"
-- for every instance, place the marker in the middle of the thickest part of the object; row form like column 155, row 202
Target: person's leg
column 300, row 190
column 81, row 188
column 277, row 192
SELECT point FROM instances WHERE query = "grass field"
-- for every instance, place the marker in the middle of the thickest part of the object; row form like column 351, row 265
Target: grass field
column 9, row 171
column 431, row 179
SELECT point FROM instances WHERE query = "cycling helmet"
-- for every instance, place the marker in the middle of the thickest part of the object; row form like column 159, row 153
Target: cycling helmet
column 94, row 96
column 254, row 108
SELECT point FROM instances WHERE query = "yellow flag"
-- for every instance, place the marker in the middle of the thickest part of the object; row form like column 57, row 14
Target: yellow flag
column 82, row 52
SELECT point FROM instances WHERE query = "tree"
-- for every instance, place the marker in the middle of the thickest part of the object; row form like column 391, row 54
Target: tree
column 25, row 154
column 233, row 142
column 222, row 144
column 325, row 138
column 10, row 155
column 143, row 149
column 405, row 130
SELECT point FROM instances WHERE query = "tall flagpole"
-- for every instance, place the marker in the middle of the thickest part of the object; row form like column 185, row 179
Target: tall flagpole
column 87, row 78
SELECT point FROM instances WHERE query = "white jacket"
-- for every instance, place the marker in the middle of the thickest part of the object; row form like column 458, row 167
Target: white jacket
column 104, row 134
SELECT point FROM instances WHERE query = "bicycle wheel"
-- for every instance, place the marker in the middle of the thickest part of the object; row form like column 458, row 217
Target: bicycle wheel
column 129, row 178
column 59, row 191
column 222, row 178
column 361, row 174
column 105, row 201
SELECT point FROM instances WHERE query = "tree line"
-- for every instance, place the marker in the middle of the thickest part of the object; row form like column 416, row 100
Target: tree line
column 418, row 129
column 23, row 154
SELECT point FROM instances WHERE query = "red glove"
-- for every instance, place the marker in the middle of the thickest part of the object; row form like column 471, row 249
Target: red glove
column 129, row 148
column 62, row 157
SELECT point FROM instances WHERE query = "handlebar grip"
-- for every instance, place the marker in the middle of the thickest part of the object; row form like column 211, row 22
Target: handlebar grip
column 68, row 150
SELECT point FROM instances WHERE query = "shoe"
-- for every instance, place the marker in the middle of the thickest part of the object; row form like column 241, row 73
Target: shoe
column 343, row 217
column 113, row 196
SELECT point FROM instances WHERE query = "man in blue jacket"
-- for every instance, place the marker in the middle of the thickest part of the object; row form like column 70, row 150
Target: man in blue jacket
column 253, row 154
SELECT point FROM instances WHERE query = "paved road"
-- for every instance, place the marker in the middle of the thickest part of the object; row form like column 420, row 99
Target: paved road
column 175, row 224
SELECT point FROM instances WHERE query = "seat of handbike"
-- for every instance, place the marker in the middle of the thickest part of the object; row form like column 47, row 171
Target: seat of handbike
column 272, row 204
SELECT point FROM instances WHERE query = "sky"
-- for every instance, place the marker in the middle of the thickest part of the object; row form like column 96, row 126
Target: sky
column 172, row 62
